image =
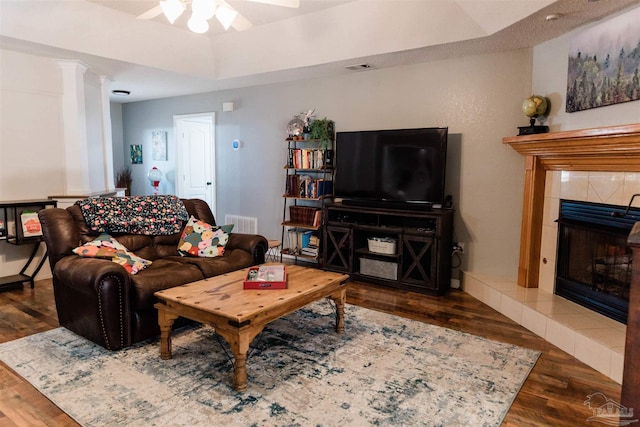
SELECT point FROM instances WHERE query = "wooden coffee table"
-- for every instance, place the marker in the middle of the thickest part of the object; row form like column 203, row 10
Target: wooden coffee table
column 239, row 315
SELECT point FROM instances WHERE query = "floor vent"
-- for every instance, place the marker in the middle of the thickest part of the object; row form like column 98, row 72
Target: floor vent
column 242, row 224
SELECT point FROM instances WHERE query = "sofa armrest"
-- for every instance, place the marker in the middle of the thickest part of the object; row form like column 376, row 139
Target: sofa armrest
column 60, row 233
column 93, row 299
column 255, row 244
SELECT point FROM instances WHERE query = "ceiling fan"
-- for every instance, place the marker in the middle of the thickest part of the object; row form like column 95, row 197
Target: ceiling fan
column 203, row 10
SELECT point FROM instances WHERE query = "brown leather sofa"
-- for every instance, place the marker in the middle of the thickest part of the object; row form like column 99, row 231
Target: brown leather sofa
column 99, row 300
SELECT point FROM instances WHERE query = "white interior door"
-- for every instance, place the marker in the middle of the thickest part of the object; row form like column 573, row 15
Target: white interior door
column 195, row 165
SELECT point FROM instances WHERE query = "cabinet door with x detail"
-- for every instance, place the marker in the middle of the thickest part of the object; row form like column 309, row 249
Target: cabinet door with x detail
column 338, row 242
column 419, row 261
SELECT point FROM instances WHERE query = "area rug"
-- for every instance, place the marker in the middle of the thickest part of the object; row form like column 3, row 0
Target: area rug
column 383, row 370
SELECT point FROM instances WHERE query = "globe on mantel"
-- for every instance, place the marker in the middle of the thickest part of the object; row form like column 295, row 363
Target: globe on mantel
column 533, row 107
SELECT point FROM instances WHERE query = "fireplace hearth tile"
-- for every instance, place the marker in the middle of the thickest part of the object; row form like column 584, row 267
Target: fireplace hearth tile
column 528, row 295
column 561, row 336
column 555, row 306
column 493, row 298
column 578, row 321
column 592, row 353
column 534, row 321
column 613, row 338
column 614, row 324
column 544, row 315
column 617, row 366
column 511, row 308
column 503, row 286
column 474, row 287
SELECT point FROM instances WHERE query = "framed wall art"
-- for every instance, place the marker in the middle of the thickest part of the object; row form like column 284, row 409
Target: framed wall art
column 136, row 154
column 603, row 64
column 159, row 145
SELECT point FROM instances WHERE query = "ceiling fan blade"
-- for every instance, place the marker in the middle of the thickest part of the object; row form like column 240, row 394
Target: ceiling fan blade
column 151, row 13
column 241, row 23
column 285, row 3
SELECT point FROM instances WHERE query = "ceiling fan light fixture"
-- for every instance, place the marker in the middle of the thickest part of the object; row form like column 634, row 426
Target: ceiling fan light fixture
column 172, row 9
column 226, row 15
column 197, row 24
column 204, row 9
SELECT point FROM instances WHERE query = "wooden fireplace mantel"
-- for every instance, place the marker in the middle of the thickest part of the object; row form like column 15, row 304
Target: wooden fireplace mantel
column 610, row 149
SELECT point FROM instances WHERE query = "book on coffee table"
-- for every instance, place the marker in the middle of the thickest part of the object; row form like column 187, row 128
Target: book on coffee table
column 266, row 277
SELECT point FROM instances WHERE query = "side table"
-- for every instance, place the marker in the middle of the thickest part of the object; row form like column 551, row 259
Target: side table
column 11, row 212
column 273, row 254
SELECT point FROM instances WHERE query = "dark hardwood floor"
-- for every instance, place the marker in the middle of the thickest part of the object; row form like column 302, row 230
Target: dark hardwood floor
column 552, row 395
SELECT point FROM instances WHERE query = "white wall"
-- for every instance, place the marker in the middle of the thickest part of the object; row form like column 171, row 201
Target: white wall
column 30, row 138
column 30, row 129
column 477, row 97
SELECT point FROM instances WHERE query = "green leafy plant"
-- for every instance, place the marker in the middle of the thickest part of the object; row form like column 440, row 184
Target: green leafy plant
column 323, row 130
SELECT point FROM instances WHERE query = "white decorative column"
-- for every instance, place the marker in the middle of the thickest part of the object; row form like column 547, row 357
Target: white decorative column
column 76, row 167
column 107, row 140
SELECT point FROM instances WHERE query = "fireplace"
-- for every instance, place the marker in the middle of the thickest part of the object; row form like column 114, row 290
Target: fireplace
column 611, row 149
column 594, row 261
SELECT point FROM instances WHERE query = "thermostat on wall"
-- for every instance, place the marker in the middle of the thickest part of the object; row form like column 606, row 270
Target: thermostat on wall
column 236, row 144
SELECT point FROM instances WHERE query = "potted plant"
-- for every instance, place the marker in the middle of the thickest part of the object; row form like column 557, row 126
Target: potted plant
column 123, row 180
column 323, row 130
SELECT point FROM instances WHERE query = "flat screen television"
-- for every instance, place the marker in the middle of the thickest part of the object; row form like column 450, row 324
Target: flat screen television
column 399, row 168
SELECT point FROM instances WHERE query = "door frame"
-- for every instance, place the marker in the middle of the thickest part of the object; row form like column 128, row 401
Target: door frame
column 210, row 119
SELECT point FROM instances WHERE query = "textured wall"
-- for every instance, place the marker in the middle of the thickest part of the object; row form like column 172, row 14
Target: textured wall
column 477, row 97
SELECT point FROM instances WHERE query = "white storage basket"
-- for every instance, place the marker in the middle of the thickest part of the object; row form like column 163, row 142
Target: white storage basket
column 382, row 245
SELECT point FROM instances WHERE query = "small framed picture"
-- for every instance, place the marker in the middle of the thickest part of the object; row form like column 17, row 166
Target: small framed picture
column 136, row 154
column 159, row 145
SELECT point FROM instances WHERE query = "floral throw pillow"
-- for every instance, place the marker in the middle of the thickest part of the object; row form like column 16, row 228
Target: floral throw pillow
column 200, row 239
column 131, row 262
column 106, row 247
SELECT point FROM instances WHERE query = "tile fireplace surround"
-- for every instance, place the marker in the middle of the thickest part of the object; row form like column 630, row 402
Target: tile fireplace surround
column 597, row 165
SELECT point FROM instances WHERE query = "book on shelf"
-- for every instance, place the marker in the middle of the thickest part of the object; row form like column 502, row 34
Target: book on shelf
column 303, row 242
column 312, row 248
column 295, row 241
column 30, row 224
column 310, row 251
column 302, row 214
column 305, row 186
column 306, row 158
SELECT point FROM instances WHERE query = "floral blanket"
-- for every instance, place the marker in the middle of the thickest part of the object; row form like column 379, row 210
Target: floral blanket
column 149, row 215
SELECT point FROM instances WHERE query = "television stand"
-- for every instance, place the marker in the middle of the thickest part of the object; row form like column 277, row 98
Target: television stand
column 388, row 205
column 418, row 260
